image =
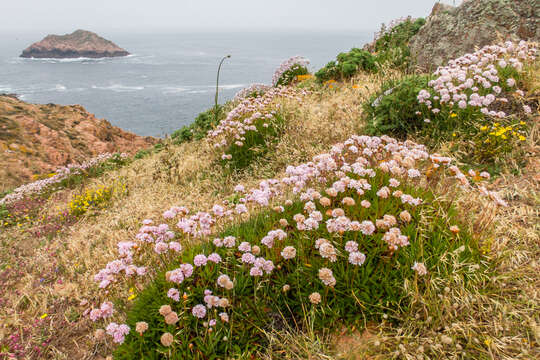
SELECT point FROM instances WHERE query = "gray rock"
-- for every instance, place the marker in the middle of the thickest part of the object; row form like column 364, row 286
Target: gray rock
column 454, row 31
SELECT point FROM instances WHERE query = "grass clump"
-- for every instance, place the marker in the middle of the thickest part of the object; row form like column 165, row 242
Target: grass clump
column 255, row 144
column 365, row 277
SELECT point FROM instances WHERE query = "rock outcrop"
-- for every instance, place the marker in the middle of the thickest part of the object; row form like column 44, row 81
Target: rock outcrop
column 36, row 139
column 80, row 43
column 454, row 31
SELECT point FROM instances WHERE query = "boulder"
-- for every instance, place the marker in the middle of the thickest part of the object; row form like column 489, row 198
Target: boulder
column 450, row 31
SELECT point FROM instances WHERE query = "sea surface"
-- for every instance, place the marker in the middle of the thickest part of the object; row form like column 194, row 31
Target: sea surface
column 168, row 79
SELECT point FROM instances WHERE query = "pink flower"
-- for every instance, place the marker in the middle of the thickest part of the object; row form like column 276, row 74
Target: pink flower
column 215, row 258
column 199, row 260
column 118, row 332
column 420, row 268
column 357, row 258
column 173, row 294
column 199, row 311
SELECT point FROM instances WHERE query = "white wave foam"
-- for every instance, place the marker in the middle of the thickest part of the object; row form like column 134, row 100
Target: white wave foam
column 173, row 90
column 232, row 86
column 69, row 60
column 198, row 91
column 118, row 88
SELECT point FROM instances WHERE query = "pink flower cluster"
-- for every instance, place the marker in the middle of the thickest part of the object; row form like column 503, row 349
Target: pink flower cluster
column 360, row 155
column 118, row 332
column 106, row 310
column 474, row 80
column 62, row 173
column 257, row 89
column 250, row 111
column 287, row 65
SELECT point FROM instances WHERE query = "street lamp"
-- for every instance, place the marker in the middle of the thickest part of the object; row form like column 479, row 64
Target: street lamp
column 217, row 86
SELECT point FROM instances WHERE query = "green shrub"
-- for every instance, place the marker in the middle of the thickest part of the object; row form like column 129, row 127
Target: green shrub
column 395, row 108
column 347, row 64
column 393, row 47
column 361, row 293
column 141, row 154
column 197, row 130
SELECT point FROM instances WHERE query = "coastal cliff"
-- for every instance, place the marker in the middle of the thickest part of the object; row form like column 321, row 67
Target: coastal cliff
column 35, row 139
column 80, row 43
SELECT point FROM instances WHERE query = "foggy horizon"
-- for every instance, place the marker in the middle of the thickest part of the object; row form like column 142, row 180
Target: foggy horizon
column 137, row 16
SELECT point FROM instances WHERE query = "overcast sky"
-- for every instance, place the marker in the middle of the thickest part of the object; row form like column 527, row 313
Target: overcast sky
column 63, row 16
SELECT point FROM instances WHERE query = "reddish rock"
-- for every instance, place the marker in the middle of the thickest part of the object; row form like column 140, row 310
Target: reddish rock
column 36, row 139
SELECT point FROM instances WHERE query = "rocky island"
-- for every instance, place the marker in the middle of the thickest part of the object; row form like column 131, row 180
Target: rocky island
column 80, row 43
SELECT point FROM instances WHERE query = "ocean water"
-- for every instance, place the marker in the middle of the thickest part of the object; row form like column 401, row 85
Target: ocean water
column 168, row 79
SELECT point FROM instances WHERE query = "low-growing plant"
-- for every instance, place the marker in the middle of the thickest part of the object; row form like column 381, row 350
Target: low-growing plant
column 498, row 138
column 356, row 251
column 364, row 276
column 141, row 154
column 287, row 72
column 67, row 177
column 91, row 198
column 203, row 123
column 395, row 108
column 347, row 65
column 251, row 127
column 392, row 45
column 457, row 101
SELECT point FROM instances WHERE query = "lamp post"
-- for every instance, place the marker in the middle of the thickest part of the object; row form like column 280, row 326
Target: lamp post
column 217, row 86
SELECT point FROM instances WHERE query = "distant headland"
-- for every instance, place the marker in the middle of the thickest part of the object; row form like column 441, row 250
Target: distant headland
column 80, row 43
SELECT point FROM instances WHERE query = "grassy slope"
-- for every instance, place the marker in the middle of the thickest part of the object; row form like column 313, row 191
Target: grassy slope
column 497, row 321
column 178, row 175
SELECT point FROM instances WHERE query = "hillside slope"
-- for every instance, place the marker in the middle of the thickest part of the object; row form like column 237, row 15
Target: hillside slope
column 36, row 139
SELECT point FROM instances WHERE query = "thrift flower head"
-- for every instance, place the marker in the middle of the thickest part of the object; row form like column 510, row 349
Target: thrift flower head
column 173, row 294
column 289, row 252
column 315, row 298
column 357, row 258
column 171, row 318
column 165, row 310
column 420, row 268
column 141, row 327
column 199, row 260
column 199, row 311
column 118, row 332
column 167, row 339
column 327, row 277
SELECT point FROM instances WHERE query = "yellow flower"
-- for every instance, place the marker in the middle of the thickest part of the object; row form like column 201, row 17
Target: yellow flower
column 522, row 138
column 132, row 296
column 453, row 115
column 44, row 316
column 522, row 123
column 484, row 128
column 454, row 134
